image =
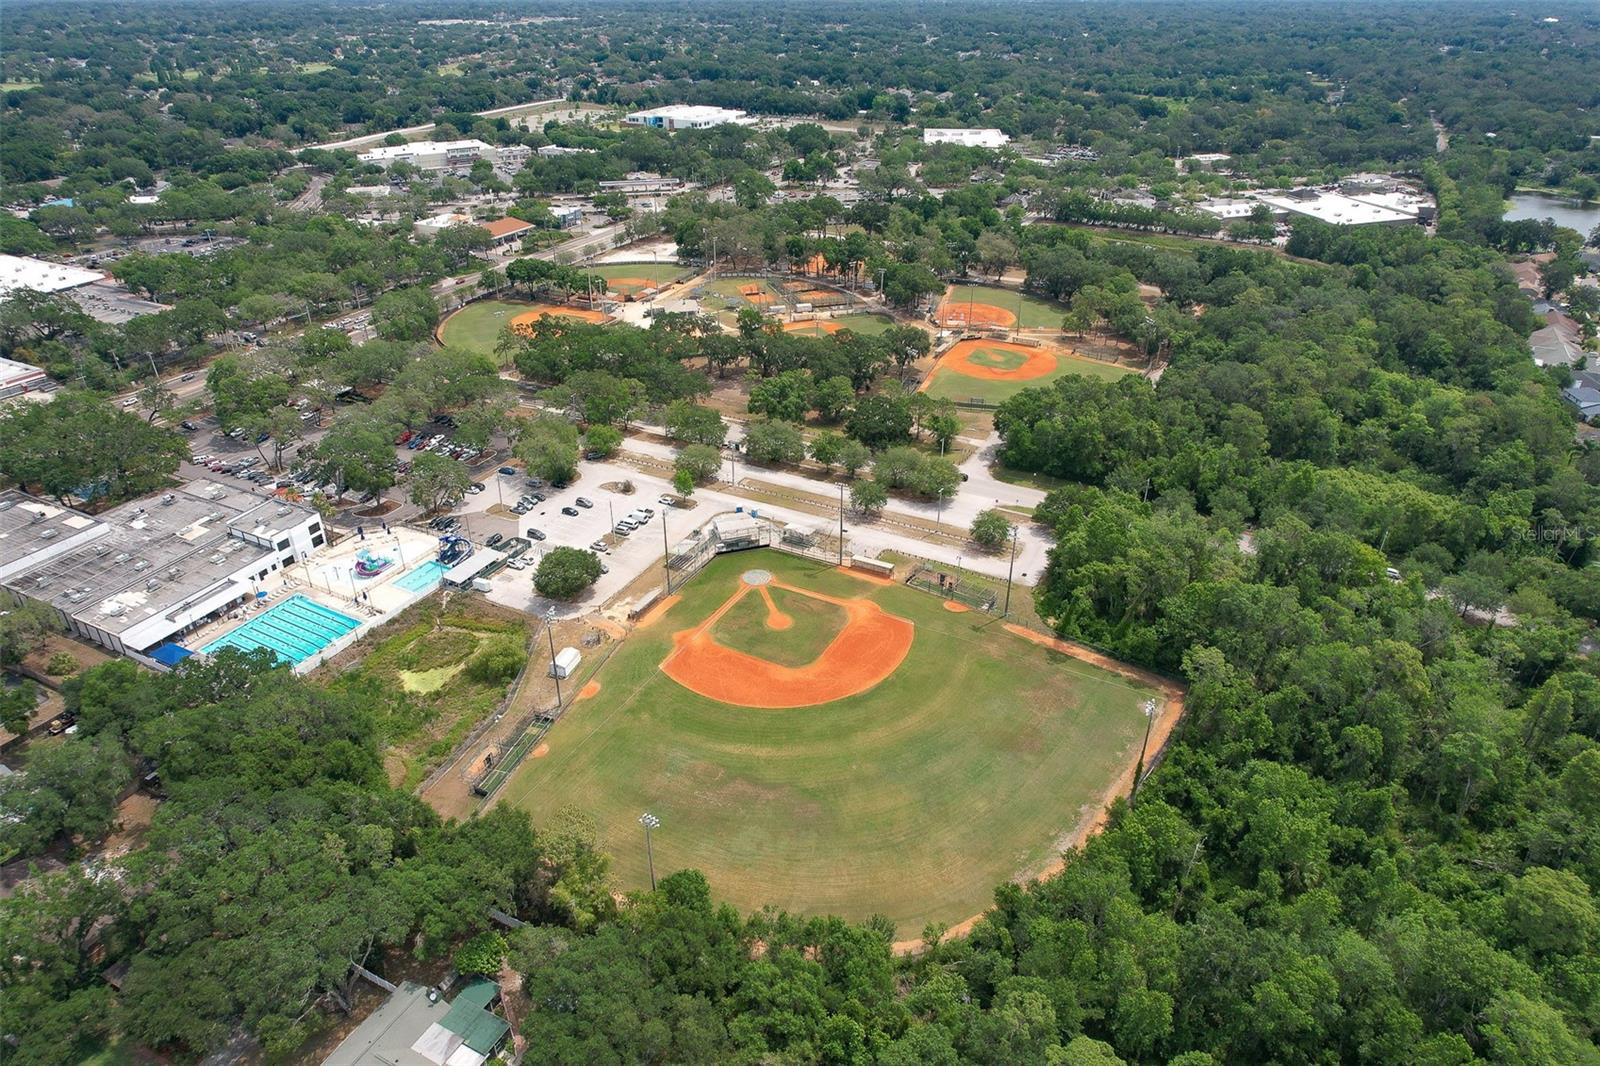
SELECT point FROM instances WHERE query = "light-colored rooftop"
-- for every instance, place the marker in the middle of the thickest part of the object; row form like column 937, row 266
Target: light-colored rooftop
column 978, row 138
column 39, row 275
column 1338, row 209
column 411, row 149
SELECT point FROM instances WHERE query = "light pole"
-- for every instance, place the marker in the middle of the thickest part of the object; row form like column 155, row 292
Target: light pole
column 666, row 552
column 1010, row 569
column 1149, row 708
column 550, row 632
column 733, row 469
column 649, row 821
column 841, row 523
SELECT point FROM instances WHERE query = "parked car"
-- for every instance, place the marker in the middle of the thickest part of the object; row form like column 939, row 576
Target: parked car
column 667, row 501
column 570, row 512
column 509, row 471
column 600, row 546
column 533, row 482
column 622, row 529
column 604, row 569
column 494, row 539
column 535, row 534
column 584, row 502
column 474, row 489
column 188, row 426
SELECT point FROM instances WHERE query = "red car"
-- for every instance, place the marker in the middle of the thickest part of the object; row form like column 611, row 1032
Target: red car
column 407, row 435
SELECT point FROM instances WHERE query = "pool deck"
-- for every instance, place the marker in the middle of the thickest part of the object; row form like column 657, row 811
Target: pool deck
column 328, row 578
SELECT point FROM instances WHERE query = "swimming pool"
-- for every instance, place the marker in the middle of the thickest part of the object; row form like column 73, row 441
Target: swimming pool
column 423, row 577
column 294, row 630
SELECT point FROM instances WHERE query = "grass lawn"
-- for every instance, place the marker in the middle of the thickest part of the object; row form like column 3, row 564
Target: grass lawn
column 728, row 290
column 656, row 272
column 477, row 326
column 17, row 86
column 1036, row 313
column 912, row 799
column 866, row 325
column 948, row 384
column 449, row 70
column 419, row 662
column 316, row 67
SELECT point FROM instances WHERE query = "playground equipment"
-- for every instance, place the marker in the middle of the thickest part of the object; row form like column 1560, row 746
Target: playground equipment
column 369, row 565
column 453, row 549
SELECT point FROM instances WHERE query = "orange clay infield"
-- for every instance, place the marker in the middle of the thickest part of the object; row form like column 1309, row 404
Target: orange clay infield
column 869, row 648
column 962, row 313
column 963, row 358
column 631, row 285
column 523, row 322
column 815, row 326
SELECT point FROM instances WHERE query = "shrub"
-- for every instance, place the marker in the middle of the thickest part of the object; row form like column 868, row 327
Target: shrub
column 483, row 954
column 497, row 663
column 61, row 664
column 990, row 529
column 565, row 572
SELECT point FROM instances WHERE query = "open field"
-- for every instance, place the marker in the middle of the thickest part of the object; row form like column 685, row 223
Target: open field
column 629, row 278
column 866, row 325
column 477, row 326
column 18, row 86
column 969, row 763
column 992, row 371
column 990, row 305
column 421, row 662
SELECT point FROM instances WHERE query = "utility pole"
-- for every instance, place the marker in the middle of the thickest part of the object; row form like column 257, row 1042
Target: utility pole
column 550, row 632
column 649, row 821
column 1149, row 708
column 1010, row 569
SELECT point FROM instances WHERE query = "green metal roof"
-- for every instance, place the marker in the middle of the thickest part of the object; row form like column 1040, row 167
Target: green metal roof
column 469, row 1018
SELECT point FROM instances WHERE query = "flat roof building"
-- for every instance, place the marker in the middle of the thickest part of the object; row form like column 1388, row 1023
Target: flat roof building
column 153, row 569
column 430, row 155
column 17, row 378
column 40, row 275
column 687, row 117
column 1336, row 209
column 984, row 138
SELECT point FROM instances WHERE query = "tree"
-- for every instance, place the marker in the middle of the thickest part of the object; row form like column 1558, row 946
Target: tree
column 774, row 442
column 68, row 789
column 688, row 421
column 786, row 397
column 868, row 496
column 825, row 447
column 79, row 444
column 606, row 440
column 699, row 461
column 357, row 453
column 990, row 529
column 482, row 955
column 23, row 628
column 682, row 482
column 880, row 421
column 438, row 482
column 548, row 448
column 832, row 397
column 405, row 314
column 565, row 572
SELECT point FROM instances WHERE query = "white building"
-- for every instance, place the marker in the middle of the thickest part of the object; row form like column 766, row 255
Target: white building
column 991, row 139
column 149, row 571
column 432, row 227
column 687, row 117
column 567, row 217
column 1226, row 209
column 1337, row 209
column 17, row 378
column 40, row 275
column 431, row 155
column 552, row 151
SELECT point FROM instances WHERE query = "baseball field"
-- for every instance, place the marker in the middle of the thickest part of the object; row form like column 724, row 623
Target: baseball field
column 630, row 279
column 829, row 742
column 992, row 371
column 993, row 306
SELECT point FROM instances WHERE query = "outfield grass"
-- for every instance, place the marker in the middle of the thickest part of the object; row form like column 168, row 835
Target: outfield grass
column 950, row 385
column 18, row 86
column 1036, row 313
column 656, row 272
column 865, row 325
column 913, row 799
column 477, row 326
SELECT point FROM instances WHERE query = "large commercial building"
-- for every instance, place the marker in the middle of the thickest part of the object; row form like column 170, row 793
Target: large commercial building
column 1365, row 205
column 432, row 155
column 991, row 139
column 687, row 117
column 150, row 571
column 41, row 275
column 17, row 378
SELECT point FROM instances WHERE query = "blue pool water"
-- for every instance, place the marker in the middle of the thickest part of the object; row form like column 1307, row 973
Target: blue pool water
column 422, row 577
column 294, row 630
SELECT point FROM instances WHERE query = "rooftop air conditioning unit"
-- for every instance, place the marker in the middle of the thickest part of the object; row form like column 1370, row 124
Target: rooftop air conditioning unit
column 152, row 585
column 173, row 573
column 75, row 596
column 142, row 564
column 115, row 610
column 6, row 505
column 122, row 557
column 102, row 549
column 168, row 499
column 48, row 534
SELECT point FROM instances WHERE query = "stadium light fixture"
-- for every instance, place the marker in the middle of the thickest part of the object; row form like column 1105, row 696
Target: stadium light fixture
column 649, row 821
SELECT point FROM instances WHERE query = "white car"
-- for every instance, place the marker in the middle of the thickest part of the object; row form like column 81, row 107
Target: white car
column 667, row 501
column 130, row 401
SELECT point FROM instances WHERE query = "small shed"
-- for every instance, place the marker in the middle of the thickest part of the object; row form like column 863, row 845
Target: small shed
column 566, row 662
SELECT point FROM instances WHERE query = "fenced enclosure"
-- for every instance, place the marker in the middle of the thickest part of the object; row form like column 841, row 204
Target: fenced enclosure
column 949, row 583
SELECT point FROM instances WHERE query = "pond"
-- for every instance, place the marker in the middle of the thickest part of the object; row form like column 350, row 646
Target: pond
column 1583, row 217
